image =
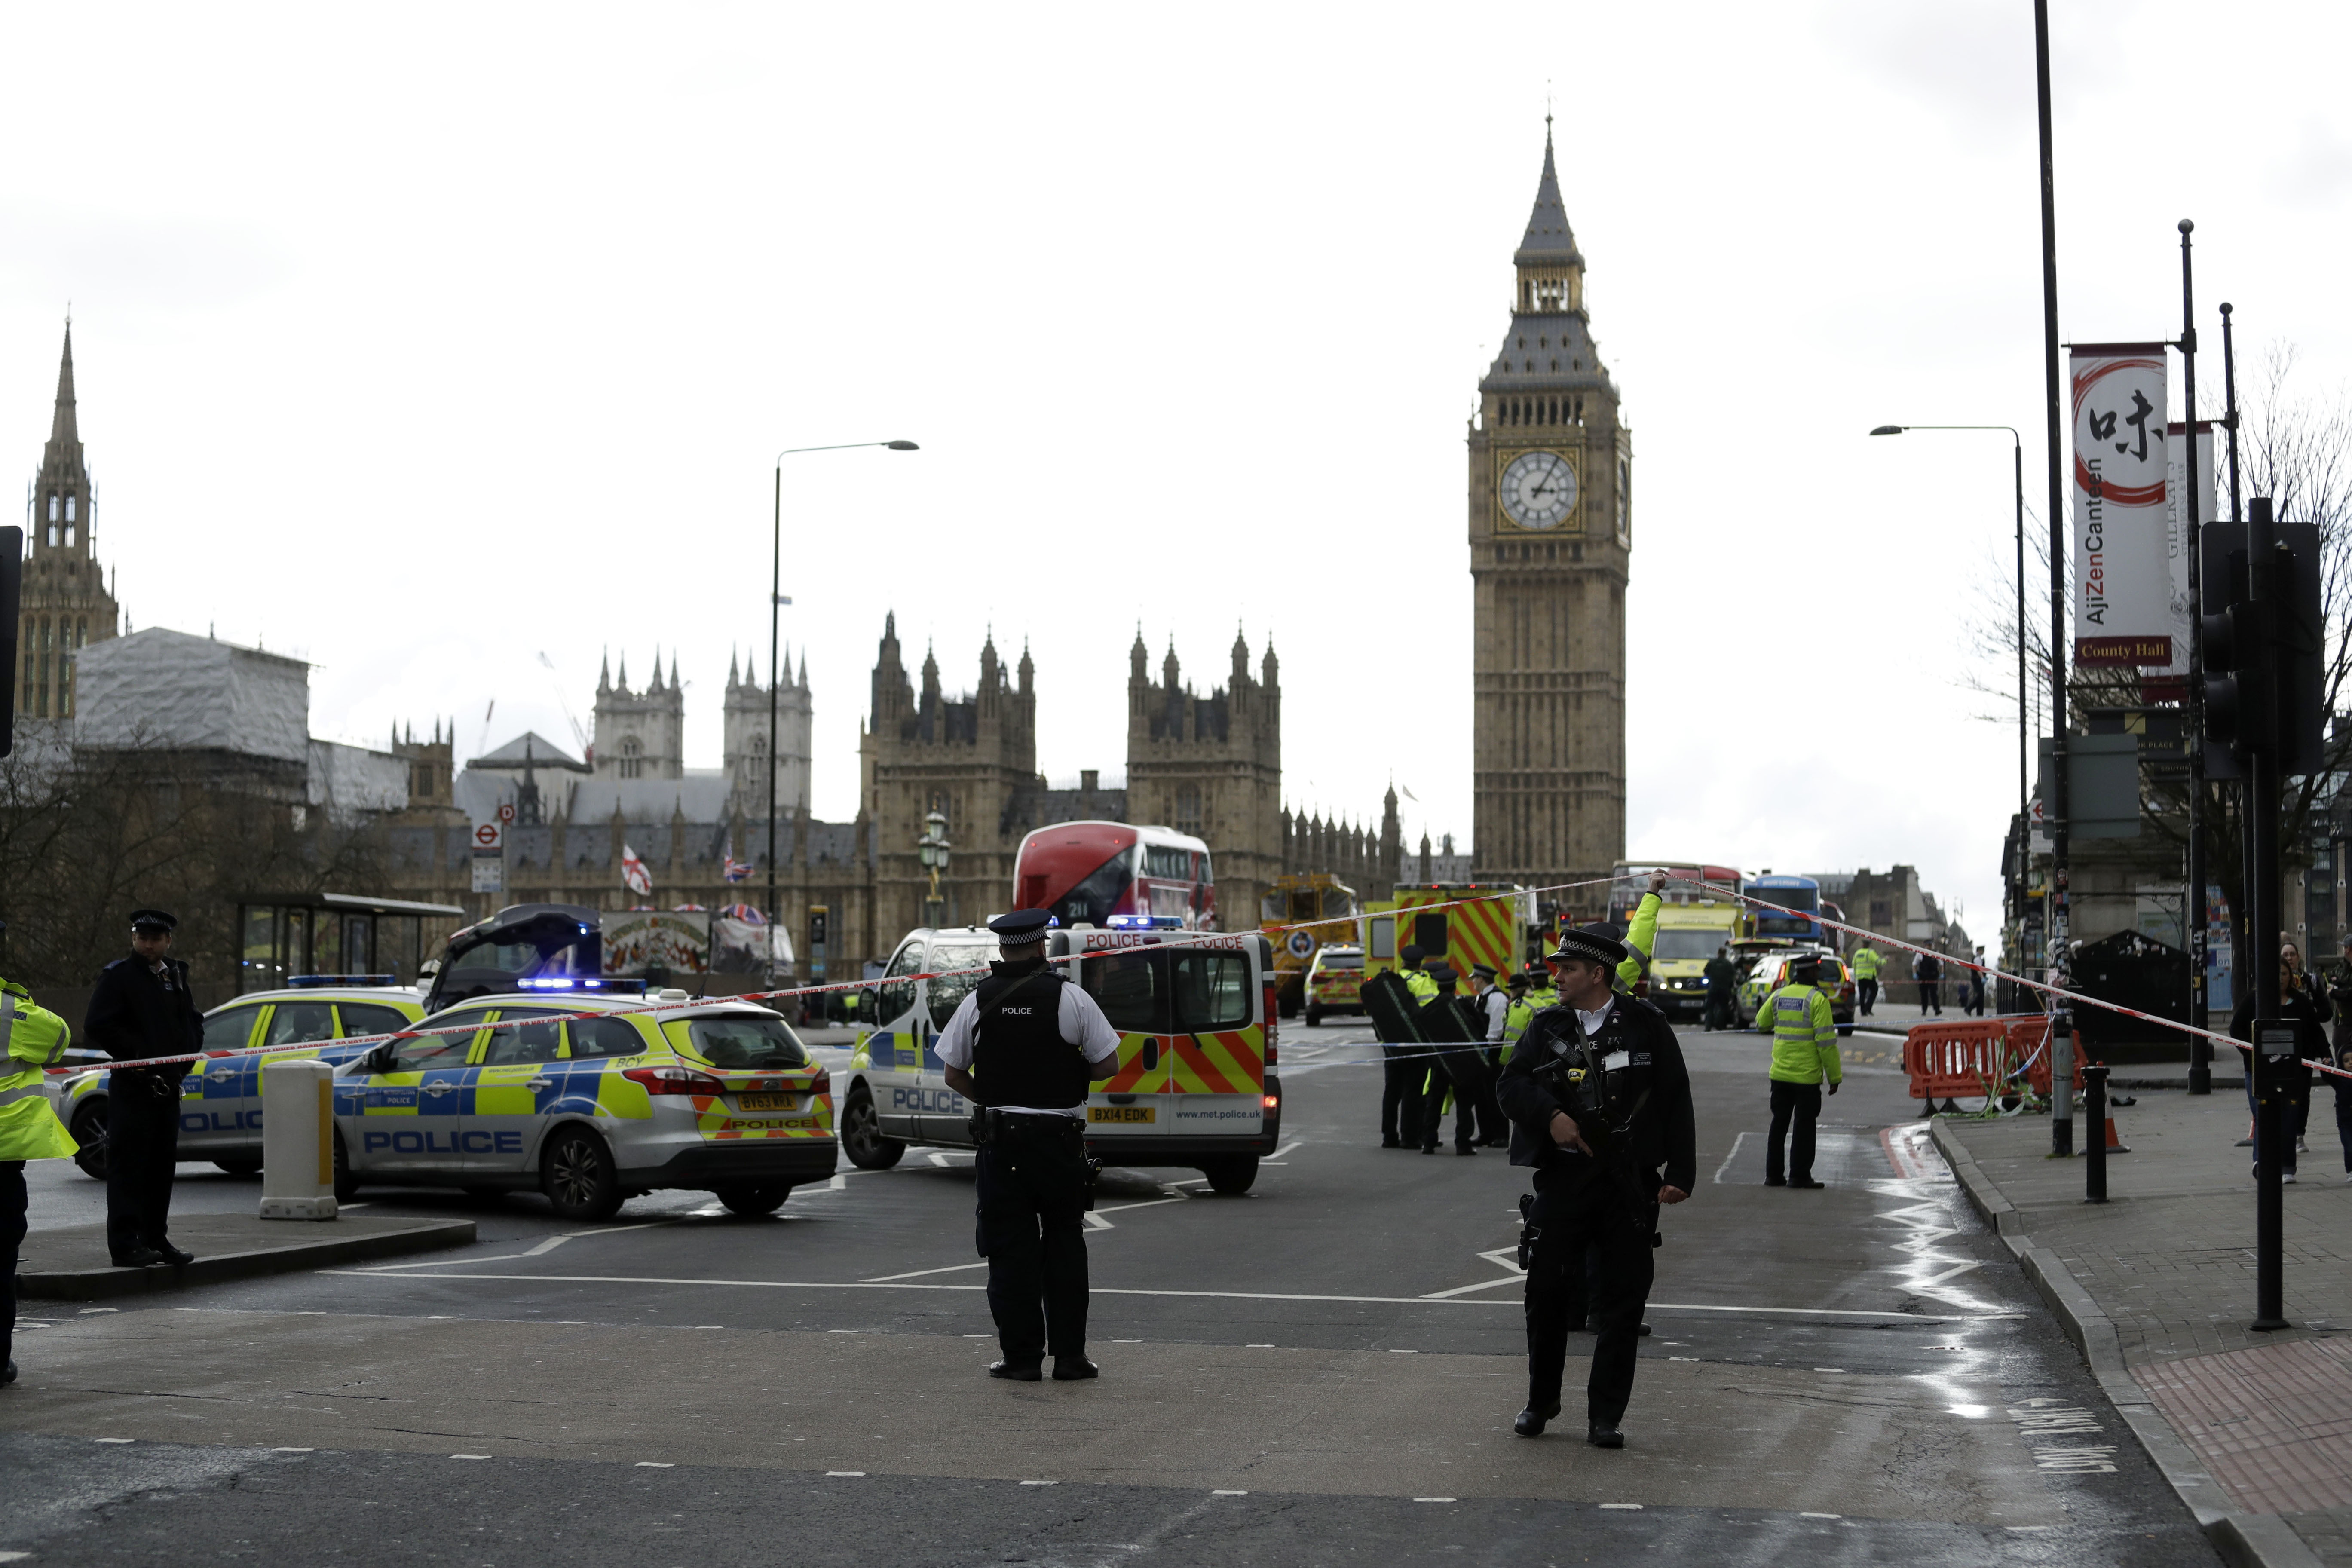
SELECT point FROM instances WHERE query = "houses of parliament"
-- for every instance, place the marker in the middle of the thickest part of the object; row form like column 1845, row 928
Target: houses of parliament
column 1550, row 486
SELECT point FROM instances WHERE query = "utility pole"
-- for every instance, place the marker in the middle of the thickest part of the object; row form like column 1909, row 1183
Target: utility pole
column 2059, row 1024
column 2192, row 897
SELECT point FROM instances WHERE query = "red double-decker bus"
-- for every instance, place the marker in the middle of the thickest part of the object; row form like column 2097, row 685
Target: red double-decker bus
column 1096, row 873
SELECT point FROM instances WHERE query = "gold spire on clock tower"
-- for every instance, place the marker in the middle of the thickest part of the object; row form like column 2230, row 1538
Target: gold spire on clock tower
column 1550, row 541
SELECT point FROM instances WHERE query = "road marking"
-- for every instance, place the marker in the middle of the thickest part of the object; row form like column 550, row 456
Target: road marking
column 1633, row 1507
column 1451, row 1499
column 1221, row 1491
column 1183, row 1295
column 1041, row 1483
column 919, row 1273
column 550, row 1245
column 1821, row 1516
column 114, row 1440
column 1287, row 1148
column 1728, row 1159
column 657, row 1465
column 469, row 1455
column 1482, row 1285
column 845, row 1472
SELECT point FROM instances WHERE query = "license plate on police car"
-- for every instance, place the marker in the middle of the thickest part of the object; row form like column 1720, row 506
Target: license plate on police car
column 767, row 1103
column 1122, row 1113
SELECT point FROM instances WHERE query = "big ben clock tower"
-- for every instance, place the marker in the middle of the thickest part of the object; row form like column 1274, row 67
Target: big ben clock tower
column 1550, row 537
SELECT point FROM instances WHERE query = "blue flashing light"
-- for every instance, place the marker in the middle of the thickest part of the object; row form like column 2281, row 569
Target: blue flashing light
column 546, row 983
column 1145, row 922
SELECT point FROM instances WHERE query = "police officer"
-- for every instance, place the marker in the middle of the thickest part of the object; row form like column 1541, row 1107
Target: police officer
column 34, row 1039
column 1606, row 1201
column 141, row 1008
column 1516, row 1015
column 1025, row 1046
column 1404, row 1066
column 1866, row 968
column 1805, row 1057
column 1492, row 1010
column 1451, row 1070
column 1722, row 974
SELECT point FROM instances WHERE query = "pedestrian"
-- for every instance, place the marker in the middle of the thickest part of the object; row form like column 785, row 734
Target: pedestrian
column 1722, row 974
column 1977, row 984
column 1452, row 1070
column 1929, row 971
column 1515, row 1017
column 1866, row 965
column 1404, row 1064
column 141, row 1008
column 2301, row 1003
column 2339, row 996
column 29, row 1130
column 1024, row 1046
column 1493, row 1009
column 1608, row 1147
column 1804, row 1057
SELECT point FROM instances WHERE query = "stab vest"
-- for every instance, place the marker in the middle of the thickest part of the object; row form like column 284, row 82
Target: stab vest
column 1018, row 1055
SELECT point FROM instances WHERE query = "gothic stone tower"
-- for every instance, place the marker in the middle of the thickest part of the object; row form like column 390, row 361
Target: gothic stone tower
column 640, row 735
column 973, row 758
column 1550, row 538
column 745, row 747
column 1211, row 767
column 66, row 605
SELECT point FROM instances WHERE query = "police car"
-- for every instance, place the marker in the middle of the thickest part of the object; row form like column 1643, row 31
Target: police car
column 1196, row 1017
column 591, row 1099
column 1335, row 982
column 220, row 1103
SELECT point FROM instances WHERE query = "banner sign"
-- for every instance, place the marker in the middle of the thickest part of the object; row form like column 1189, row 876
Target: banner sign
column 2124, row 611
column 2176, row 537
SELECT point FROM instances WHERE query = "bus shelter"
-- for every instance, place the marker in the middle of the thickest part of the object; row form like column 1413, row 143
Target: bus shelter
column 285, row 934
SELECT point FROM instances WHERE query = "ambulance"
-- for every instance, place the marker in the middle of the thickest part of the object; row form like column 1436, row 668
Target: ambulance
column 1461, row 923
column 1196, row 1016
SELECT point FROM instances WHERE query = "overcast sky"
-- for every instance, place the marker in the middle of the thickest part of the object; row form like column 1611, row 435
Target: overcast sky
column 425, row 341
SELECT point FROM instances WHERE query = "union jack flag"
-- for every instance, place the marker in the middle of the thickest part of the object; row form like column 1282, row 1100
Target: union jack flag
column 735, row 870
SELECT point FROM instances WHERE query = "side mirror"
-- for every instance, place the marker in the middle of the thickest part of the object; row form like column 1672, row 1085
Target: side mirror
column 379, row 1056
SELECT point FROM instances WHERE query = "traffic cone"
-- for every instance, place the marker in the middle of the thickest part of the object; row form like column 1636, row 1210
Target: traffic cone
column 2115, row 1144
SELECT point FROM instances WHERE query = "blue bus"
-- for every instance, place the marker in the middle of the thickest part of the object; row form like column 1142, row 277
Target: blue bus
column 1800, row 895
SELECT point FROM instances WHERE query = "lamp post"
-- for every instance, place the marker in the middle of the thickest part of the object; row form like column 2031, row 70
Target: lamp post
column 776, row 602
column 2025, row 726
column 933, row 850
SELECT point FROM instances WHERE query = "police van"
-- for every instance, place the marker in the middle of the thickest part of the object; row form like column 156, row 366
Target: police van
column 1196, row 1016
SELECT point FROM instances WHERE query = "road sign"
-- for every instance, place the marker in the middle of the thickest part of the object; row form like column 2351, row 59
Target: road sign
column 489, row 836
column 506, row 811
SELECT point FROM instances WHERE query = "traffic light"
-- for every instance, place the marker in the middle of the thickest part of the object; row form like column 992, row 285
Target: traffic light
column 2264, row 684
column 12, row 587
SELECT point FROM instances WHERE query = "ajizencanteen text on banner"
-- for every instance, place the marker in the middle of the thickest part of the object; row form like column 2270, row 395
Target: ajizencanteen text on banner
column 2124, row 609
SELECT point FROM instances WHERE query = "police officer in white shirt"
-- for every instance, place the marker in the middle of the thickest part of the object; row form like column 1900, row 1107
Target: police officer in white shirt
column 1026, row 1047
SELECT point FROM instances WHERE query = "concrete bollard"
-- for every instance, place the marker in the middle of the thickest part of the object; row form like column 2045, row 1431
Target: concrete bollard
column 297, row 1140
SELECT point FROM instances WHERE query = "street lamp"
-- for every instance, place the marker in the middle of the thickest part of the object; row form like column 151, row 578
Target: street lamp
column 933, row 850
column 776, row 602
column 2024, row 737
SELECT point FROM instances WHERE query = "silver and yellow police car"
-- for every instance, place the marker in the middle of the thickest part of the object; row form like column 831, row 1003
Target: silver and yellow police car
column 591, row 1099
column 220, row 1102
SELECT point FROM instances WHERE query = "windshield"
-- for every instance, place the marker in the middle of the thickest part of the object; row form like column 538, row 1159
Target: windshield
column 1698, row 941
column 1342, row 961
column 1095, row 899
column 747, row 1041
column 948, row 991
column 1803, row 898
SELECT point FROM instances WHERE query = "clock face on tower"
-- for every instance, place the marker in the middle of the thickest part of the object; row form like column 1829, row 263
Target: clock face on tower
column 1538, row 490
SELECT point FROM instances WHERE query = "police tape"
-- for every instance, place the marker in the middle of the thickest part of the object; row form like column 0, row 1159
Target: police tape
column 1113, row 941
column 2042, row 986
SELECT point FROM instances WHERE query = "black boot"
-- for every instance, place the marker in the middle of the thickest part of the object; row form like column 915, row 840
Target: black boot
column 1025, row 1372
column 1530, row 1422
column 1604, row 1435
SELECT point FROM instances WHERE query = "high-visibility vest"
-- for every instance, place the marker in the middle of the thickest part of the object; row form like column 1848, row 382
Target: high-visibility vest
column 1866, row 964
column 1804, row 1036
column 1515, row 1024
column 32, row 1038
column 1418, row 982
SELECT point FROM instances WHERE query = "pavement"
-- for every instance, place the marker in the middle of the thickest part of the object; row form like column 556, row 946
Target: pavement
column 1324, row 1370
column 2158, row 1287
column 71, row 1263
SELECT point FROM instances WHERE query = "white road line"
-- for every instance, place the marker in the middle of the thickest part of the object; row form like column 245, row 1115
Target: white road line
column 1287, row 1148
column 550, row 1245
column 919, row 1273
column 1728, row 1159
column 1482, row 1285
column 1187, row 1295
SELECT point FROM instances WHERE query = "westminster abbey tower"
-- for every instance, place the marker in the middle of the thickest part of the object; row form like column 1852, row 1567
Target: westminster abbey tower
column 1551, row 474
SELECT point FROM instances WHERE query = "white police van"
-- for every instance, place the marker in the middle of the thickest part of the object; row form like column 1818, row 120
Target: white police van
column 1196, row 1016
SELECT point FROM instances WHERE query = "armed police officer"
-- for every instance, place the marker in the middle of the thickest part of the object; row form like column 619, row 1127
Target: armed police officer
column 1600, row 1104
column 142, row 1007
column 1404, row 1066
column 1026, row 1047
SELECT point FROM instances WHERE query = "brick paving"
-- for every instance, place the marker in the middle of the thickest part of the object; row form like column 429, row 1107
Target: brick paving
column 2170, row 1260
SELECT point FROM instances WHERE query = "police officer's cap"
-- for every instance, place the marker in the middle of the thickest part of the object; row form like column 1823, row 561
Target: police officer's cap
column 1518, row 982
column 1594, row 943
column 1410, row 954
column 1439, row 970
column 1483, row 971
column 1021, row 926
column 153, row 922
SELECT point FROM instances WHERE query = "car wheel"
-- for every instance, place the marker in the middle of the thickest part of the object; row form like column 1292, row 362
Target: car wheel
column 754, row 1200
column 1232, row 1174
column 241, row 1165
column 861, row 1134
column 347, row 1185
column 1314, row 1017
column 1844, row 1029
column 88, row 1130
column 1288, row 1005
column 578, row 1176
